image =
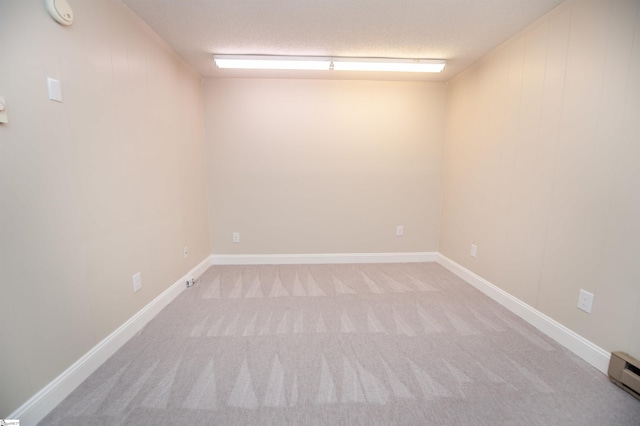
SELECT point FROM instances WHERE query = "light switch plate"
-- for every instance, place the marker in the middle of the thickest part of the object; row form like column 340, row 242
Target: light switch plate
column 55, row 91
column 3, row 110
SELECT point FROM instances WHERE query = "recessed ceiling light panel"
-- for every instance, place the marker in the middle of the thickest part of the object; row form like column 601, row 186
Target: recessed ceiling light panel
column 269, row 62
column 383, row 64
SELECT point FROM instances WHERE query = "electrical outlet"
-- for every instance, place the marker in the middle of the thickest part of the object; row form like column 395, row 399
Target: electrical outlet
column 236, row 237
column 190, row 282
column 137, row 282
column 474, row 250
column 399, row 231
column 585, row 301
column 186, row 251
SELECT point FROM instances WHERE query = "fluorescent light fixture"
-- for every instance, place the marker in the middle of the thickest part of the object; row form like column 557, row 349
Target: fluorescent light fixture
column 267, row 62
column 382, row 64
column 270, row 62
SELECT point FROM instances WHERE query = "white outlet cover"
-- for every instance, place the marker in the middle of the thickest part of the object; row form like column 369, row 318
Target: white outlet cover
column 474, row 250
column 585, row 301
column 399, row 231
column 137, row 282
column 236, row 237
column 186, row 251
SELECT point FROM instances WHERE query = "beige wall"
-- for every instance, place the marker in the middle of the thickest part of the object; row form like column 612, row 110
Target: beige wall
column 316, row 166
column 542, row 168
column 109, row 183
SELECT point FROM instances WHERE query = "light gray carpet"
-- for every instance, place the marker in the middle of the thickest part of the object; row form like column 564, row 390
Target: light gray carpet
column 405, row 344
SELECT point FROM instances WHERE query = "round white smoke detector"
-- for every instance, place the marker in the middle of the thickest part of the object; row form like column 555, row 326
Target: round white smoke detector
column 60, row 11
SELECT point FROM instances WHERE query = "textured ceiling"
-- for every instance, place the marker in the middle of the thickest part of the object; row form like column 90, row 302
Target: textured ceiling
column 460, row 31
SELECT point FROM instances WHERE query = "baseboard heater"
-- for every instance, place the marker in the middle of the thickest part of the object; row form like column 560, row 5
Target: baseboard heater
column 624, row 371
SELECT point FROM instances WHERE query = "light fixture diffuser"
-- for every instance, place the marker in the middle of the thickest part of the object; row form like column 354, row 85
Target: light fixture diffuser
column 270, row 62
column 383, row 64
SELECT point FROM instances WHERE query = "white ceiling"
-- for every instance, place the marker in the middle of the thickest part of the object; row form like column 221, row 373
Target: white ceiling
column 460, row 31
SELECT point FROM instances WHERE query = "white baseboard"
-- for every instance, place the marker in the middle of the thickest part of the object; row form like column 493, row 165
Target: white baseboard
column 39, row 405
column 323, row 258
column 588, row 351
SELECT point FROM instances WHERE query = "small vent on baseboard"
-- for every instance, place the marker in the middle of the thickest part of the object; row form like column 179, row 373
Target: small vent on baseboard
column 624, row 371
